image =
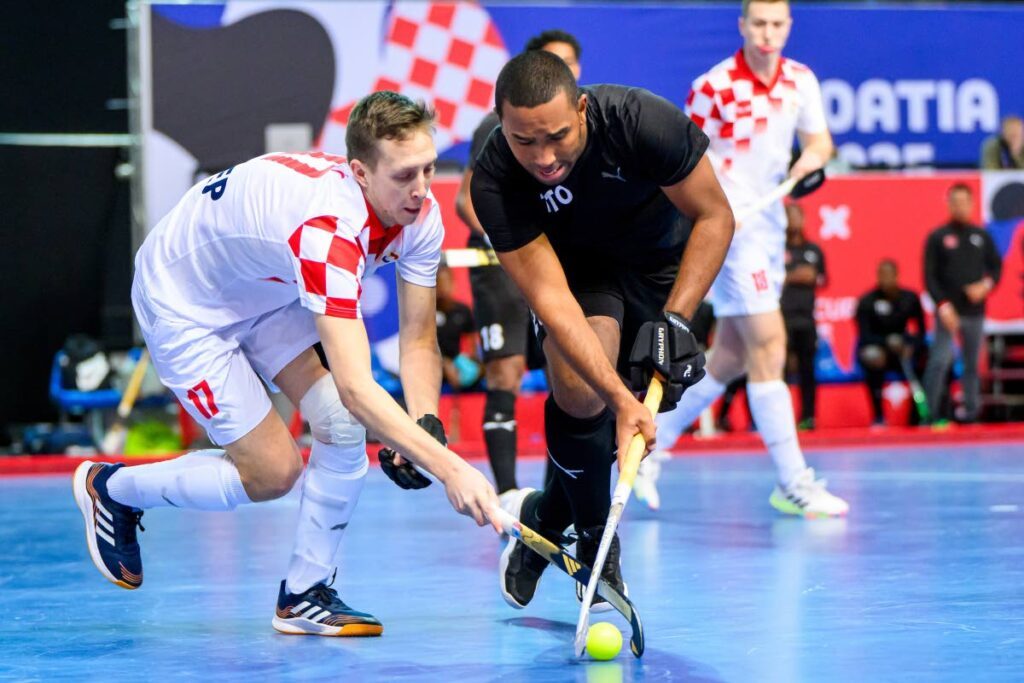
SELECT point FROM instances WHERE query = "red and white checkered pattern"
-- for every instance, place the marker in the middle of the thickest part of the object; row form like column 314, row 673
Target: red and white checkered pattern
column 448, row 54
column 752, row 124
column 330, row 265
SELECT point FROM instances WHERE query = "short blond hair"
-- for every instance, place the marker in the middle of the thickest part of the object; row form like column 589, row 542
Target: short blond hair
column 383, row 115
column 746, row 4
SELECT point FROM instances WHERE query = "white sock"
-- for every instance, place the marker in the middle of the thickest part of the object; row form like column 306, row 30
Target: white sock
column 772, row 408
column 694, row 401
column 334, row 479
column 201, row 480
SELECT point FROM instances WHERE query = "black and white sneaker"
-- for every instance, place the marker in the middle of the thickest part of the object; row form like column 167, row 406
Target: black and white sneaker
column 586, row 552
column 320, row 612
column 520, row 568
column 109, row 526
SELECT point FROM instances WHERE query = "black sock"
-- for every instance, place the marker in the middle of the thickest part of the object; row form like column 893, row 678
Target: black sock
column 500, row 437
column 582, row 450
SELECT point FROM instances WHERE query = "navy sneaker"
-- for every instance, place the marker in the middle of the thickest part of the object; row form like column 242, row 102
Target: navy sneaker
column 586, row 552
column 109, row 526
column 320, row 612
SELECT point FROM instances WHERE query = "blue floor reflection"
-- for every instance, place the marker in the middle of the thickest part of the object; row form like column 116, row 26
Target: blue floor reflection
column 924, row 581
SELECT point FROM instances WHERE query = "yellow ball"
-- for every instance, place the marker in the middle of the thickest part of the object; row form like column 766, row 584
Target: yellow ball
column 603, row 641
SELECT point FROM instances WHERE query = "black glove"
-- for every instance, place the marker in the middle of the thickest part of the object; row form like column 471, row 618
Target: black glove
column 406, row 475
column 670, row 349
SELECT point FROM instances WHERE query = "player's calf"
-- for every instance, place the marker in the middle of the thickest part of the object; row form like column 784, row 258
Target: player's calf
column 109, row 526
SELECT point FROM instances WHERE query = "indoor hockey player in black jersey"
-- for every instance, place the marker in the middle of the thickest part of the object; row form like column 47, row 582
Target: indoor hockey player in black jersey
column 605, row 212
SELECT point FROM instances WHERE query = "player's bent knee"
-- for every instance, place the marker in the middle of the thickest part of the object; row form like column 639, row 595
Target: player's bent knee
column 329, row 421
column 332, row 425
column 872, row 356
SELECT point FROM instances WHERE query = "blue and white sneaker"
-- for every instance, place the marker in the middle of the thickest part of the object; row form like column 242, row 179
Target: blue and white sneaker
column 109, row 526
column 320, row 612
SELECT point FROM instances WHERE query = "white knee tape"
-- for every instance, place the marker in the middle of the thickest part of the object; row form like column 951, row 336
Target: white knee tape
column 328, row 419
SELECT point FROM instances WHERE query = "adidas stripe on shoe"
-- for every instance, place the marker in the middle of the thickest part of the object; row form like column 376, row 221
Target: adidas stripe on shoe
column 109, row 526
column 320, row 612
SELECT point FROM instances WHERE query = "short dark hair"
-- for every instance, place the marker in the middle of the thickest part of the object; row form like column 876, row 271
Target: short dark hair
column 958, row 187
column 889, row 262
column 383, row 115
column 533, row 78
column 553, row 36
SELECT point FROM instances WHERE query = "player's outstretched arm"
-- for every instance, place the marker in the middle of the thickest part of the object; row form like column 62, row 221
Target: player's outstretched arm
column 700, row 197
column 348, row 354
column 537, row 272
column 420, row 356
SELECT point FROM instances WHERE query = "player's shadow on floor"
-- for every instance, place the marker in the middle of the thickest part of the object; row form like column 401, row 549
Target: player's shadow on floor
column 655, row 663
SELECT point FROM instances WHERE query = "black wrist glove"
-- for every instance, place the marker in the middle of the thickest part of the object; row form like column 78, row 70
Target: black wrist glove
column 406, row 475
column 670, row 349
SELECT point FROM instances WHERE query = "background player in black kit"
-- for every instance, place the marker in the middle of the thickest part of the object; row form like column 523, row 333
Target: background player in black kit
column 605, row 212
column 883, row 334
column 805, row 273
column 500, row 310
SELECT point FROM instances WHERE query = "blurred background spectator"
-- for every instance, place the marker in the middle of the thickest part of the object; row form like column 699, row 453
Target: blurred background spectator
column 961, row 267
column 884, row 333
column 1005, row 150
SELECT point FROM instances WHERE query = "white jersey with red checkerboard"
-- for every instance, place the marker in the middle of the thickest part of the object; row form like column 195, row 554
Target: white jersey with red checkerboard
column 752, row 125
column 274, row 229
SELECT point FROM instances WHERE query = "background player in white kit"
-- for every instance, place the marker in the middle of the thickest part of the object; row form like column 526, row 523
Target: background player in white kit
column 750, row 106
column 236, row 284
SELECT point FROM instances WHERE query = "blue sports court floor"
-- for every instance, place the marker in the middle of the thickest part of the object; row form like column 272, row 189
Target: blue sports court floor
column 924, row 581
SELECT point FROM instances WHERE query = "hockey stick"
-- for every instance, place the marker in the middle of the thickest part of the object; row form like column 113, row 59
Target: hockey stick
column 579, row 571
column 794, row 187
column 623, row 487
column 916, row 390
column 114, row 440
column 469, row 258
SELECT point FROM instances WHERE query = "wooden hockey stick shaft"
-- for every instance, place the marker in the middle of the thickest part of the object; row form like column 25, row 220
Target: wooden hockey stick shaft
column 623, row 487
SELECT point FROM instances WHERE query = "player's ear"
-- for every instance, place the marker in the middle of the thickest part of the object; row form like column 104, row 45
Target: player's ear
column 581, row 106
column 359, row 172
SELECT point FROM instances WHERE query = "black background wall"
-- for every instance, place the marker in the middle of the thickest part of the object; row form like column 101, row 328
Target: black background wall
column 65, row 261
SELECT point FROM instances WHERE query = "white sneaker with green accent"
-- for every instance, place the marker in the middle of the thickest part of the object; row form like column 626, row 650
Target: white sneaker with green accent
column 645, row 486
column 806, row 496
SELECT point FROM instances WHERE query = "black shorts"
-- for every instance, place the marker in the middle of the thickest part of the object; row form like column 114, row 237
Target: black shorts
column 630, row 295
column 501, row 313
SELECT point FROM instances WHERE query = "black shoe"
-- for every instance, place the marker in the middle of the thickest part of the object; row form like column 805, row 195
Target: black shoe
column 520, row 568
column 586, row 552
column 320, row 612
column 109, row 526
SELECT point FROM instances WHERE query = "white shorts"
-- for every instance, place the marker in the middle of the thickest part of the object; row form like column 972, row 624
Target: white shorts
column 215, row 374
column 751, row 278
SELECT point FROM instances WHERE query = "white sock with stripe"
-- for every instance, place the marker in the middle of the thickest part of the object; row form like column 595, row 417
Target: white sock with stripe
column 772, row 409
column 334, row 479
column 201, row 480
column 694, row 401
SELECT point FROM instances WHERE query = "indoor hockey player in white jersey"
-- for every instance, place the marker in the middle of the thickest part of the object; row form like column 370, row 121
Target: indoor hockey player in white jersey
column 232, row 289
column 751, row 105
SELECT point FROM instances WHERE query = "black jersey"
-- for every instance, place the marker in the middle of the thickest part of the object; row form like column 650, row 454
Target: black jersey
column 879, row 316
column 956, row 255
column 489, row 123
column 611, row 204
